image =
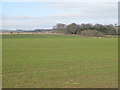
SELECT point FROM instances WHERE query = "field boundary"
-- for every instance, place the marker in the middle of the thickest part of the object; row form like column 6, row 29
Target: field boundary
column 9, row 33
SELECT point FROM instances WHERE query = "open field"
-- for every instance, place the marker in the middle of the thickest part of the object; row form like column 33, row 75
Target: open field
column 54, row 61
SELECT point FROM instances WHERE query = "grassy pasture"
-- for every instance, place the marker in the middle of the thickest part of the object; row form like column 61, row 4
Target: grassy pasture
column 54, row 61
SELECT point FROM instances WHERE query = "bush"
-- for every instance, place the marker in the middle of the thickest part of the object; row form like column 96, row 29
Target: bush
column 92, row 33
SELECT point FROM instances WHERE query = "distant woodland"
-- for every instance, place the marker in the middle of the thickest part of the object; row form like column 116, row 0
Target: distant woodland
column 97, row 30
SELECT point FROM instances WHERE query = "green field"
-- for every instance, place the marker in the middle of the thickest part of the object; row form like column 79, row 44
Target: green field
column 59, row 61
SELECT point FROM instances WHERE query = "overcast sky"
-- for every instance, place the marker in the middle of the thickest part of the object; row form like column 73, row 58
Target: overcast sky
column 32, row 15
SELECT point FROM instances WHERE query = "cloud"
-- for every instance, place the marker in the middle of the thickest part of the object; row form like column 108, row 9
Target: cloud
column 59, row 0
column 93, row 12
column 17, row 18
column 30, row 23
column 50, row 21
column 86, row 10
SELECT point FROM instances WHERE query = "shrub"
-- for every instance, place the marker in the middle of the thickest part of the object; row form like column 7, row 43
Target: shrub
column 92, row 33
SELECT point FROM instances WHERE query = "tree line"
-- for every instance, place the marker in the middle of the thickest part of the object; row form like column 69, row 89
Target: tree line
column 86, row 29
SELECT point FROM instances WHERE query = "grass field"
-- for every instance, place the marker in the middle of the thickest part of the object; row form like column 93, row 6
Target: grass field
column 59, row 61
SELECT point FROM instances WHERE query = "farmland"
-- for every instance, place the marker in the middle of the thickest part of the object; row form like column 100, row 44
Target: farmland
column 59, row 61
